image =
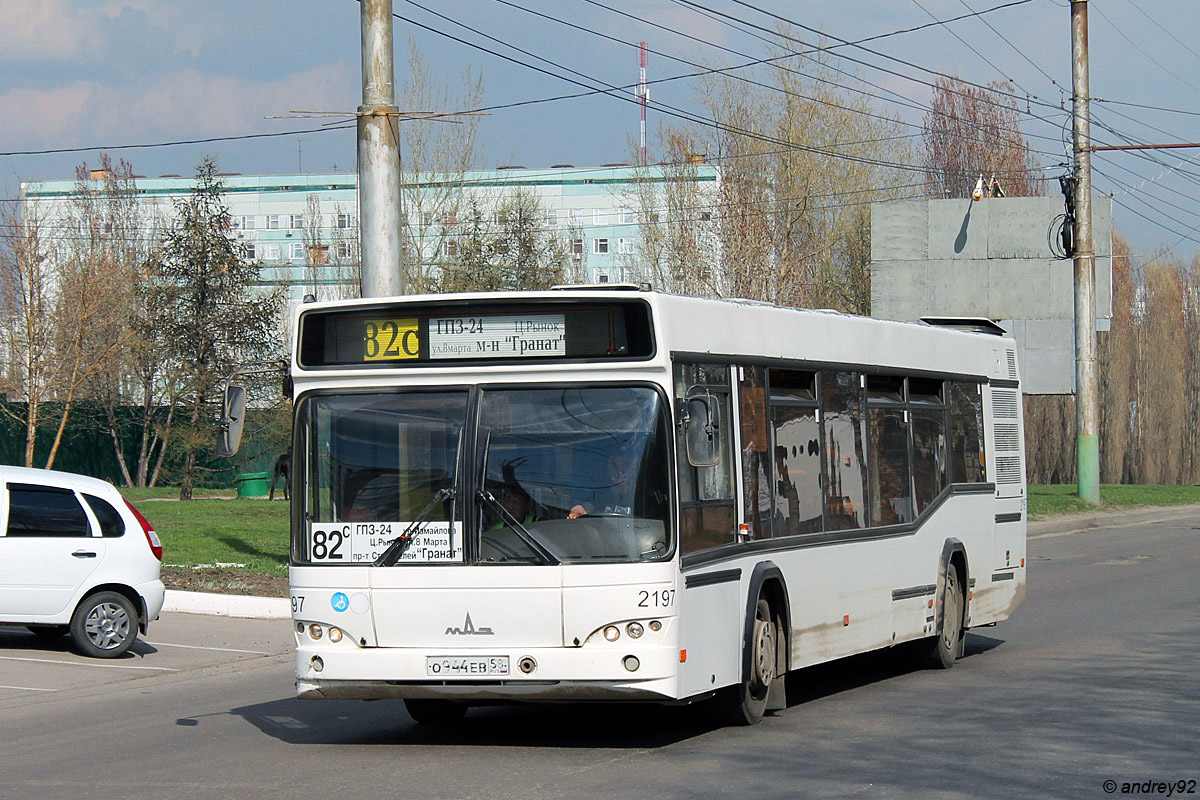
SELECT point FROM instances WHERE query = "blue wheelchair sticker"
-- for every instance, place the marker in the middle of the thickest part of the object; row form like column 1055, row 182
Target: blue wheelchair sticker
column 340, row 601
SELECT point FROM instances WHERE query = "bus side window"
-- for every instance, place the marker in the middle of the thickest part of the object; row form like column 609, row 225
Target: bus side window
column 706, row 498
column 966, row 432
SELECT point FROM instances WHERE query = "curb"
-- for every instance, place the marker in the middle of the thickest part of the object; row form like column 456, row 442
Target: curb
column 252, row 607
column 1064, row 526
column 227, row 605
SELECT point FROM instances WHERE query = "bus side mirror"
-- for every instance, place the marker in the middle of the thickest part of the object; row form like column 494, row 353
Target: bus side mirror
column 233, row 417
column 701, row 428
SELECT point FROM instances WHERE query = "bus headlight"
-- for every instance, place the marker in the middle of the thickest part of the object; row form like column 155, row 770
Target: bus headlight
column 612, row 633
column 335, row 634
column 635, row 630
column 315, row 631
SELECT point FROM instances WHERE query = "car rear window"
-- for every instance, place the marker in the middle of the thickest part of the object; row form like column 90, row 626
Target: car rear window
column 44, row 511
column 111, row 524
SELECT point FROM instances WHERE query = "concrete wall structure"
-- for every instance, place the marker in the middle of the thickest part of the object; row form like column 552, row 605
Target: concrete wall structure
column 990, row 258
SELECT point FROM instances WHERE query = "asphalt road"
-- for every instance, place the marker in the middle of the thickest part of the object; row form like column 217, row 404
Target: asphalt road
column 1095, row 679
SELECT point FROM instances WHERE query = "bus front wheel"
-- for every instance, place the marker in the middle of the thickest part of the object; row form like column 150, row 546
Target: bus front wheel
column 746, row 702
column 943, row 649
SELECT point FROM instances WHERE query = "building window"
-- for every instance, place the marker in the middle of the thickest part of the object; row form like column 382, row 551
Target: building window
column 296, row 250
column 272, row 222
column 654, row 217
column 344, row 250
column 600, row 216
column 600, row 246
column 627, row 217
column 625, row 246
column 552, row 219
column 499, row 218
column 244, row 223
column 272, row 252
column 574, row 216
column 426, row 219
column 601, row 277
column 296, row 222
column 344, row 221
column 248, row 251
column 450, row 248
column 577, row 247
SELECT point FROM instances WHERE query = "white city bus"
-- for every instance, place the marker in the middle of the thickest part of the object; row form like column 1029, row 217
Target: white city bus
column 615, row 494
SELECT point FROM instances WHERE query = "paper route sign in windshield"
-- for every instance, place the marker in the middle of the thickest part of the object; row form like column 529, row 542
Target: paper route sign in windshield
column 363, row 542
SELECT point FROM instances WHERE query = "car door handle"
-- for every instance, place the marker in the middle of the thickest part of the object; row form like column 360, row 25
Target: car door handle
column 83, row 554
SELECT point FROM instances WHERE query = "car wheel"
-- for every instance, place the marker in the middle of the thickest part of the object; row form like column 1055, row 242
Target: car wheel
column 104, row 625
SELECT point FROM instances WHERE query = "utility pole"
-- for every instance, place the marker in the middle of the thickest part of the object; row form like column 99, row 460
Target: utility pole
column 379, row 211
column 1087, row 417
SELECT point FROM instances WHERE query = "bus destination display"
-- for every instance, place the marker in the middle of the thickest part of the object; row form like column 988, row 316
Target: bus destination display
column 499, row 336
column 409, row 335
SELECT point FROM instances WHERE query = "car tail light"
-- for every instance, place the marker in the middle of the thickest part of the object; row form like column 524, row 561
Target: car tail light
column 148, row 529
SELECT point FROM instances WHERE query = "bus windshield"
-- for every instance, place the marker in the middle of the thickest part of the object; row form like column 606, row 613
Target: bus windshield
column 583, row 471
column 560, row 475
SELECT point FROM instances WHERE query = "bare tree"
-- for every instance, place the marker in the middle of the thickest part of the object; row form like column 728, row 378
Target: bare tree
column 437, row 152
column 800, row 159
column 507, row 248
column 30, row 276
column 972, row 133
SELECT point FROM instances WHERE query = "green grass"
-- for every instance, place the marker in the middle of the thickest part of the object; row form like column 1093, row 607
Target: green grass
column 253, row 533
column 1055, row 500
column 172, row 493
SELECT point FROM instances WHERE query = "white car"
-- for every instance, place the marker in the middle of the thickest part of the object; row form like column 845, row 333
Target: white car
column 77, row 558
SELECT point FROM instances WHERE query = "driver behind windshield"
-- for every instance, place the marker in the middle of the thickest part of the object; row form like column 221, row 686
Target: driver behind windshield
column 616, row 495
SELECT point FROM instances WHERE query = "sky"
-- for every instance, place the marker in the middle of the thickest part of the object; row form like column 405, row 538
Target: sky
column 128, row 76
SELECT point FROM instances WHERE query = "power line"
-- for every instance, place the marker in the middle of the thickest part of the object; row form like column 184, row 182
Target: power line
column 210, row 140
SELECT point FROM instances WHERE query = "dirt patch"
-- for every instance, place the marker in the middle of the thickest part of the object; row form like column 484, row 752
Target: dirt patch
column 225, row 581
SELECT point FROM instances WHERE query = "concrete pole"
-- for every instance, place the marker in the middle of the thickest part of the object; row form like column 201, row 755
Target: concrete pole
column 1087, row 416
column 379, row 212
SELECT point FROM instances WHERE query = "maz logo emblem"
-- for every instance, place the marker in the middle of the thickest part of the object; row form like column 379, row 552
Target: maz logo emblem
column 469, row 629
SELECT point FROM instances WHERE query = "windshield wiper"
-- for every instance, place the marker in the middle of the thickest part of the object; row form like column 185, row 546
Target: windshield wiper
column 401, row 543
column 518, row 527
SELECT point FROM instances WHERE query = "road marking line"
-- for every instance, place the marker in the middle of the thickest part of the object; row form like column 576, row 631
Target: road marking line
column 84, row 664
column 27, row 689
column 200, row 647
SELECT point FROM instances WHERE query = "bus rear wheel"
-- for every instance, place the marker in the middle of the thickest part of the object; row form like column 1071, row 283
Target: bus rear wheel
column 435, row 712
column 745, row 703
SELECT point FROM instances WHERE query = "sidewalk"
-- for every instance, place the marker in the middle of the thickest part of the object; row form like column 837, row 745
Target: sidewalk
column 231, row 605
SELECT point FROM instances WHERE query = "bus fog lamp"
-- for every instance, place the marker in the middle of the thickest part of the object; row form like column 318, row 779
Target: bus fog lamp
column 631, row 663
column 299, row 627
column 612, row 633
column 635, row 630
column 335, row 634
column 315, row 631
column 317, row 664
column 655, row 625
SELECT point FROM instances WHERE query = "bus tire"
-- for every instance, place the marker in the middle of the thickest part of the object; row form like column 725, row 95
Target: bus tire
column 746, row 702
column 943, row 649
column 435, row 712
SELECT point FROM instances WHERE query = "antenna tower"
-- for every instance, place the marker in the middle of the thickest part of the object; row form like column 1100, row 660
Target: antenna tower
column 643, row 94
